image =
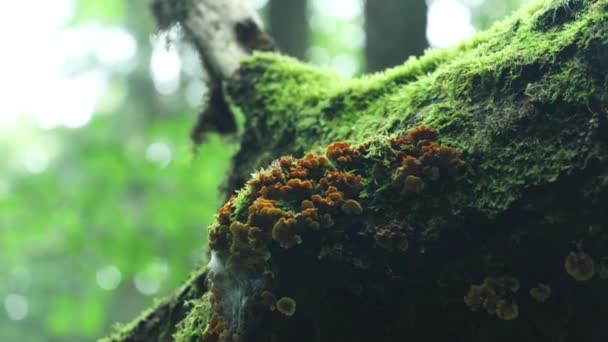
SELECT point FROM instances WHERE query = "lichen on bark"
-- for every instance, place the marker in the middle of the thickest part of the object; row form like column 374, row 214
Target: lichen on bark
column 526, row 105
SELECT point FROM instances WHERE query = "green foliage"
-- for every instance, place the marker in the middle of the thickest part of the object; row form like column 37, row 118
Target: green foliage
column 191, row 329
column 102, row 203
column 107, row 11
column 110, row 223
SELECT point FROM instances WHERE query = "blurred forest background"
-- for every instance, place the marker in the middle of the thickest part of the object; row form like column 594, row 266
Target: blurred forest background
column 103, row 205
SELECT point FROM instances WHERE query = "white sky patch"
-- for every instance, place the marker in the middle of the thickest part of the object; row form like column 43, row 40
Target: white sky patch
column 449, row 22
column 116, row 47
column 108, row 277
column 159, row 153
column 28, row 56
column 165, row 66
column 36, row 159
column 32, row 64
column 69, row 102
column 473, row 3
column 76, row 42
column 16, row 306
column 259, row 4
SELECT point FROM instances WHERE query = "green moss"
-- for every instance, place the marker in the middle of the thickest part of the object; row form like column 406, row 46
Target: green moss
column 241, row 204
column 534, row 77
column 192, row 328
column 121, row 332
column 158, row 323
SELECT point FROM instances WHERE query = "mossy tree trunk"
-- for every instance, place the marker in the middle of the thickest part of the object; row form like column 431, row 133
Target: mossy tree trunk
column 465, row 199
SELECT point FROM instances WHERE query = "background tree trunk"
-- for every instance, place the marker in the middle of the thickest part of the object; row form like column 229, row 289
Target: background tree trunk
column 395, row 30
column 289, row 26
column 488, row 226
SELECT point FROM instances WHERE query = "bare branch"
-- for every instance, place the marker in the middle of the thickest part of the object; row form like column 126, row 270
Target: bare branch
column 223, row 31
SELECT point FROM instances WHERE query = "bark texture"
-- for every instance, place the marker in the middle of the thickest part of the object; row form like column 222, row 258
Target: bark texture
column 465, row 202
column 213, row 27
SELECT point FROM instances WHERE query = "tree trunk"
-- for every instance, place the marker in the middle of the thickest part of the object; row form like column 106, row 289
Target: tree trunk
column 395, row 30
column 289, row 26
column 468, row 204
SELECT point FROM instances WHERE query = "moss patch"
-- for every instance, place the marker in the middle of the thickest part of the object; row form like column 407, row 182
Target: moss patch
column 535, row 77
column 192, row 328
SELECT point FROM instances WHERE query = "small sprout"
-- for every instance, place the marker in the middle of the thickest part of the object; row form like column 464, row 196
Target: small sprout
column 579, row 266
column 507, row 310
column 352, row 207
column 286, row 306
column 541, row 292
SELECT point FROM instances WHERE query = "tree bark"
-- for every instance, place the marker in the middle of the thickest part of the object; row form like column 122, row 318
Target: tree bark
column 289, row 26
column 394, row 30
column 468, row 204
